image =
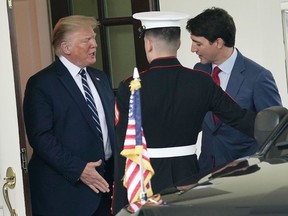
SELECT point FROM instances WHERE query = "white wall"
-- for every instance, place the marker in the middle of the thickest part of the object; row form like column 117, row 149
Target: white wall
column 259, row 34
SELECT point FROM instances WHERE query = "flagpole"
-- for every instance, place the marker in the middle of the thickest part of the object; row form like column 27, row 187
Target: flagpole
column 143, row 195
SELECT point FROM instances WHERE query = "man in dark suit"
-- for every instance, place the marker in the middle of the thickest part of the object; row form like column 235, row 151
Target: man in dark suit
column 249, row 84
column 174, row 101
column 71, row 166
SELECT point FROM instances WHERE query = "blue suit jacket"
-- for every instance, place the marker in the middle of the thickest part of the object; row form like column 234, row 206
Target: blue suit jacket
column 252, row 87
column 64, row 138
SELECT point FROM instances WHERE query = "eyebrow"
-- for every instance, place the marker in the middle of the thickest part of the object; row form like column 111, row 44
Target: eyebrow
column 196, row 41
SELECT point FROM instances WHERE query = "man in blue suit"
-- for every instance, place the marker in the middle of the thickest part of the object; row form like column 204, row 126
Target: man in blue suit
column 252, row 86
column 71, row 167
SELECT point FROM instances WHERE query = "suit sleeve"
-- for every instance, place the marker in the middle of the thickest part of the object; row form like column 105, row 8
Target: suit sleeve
column 266, row 93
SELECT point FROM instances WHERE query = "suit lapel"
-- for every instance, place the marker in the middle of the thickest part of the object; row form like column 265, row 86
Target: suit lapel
column 237, row 77
column 98, row 83
column 68, row 82
column 235, row 81
column 102, row 85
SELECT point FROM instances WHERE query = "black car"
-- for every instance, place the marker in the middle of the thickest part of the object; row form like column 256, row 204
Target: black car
column 255, row 185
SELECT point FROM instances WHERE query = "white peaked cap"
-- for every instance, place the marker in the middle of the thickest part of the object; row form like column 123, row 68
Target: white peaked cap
column 160, row 19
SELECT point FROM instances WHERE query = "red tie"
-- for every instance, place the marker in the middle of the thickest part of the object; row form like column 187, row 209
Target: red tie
column 215, row 77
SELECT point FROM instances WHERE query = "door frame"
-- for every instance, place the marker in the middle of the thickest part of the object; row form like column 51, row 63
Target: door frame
column 9, row 134
column 21, row 127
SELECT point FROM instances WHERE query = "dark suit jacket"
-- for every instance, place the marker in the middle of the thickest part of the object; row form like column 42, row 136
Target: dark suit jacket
column 64, row 138
column 252, row 87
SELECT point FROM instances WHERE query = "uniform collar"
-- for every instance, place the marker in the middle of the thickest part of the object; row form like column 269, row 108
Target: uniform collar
column 165, row 61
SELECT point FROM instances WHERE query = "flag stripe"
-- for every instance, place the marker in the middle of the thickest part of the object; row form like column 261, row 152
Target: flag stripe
column 134, row 148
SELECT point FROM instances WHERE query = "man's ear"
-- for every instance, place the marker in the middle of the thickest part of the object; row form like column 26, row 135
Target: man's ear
column 65, row 47
column 148, row 44
column 220, row 42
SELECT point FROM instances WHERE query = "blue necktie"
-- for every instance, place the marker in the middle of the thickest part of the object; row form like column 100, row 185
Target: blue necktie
column 90, row 101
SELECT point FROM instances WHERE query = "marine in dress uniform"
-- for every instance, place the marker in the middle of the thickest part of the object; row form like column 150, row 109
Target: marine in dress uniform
column 174, row 101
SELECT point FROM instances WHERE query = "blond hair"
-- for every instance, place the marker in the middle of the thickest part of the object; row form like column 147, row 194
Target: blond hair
column 67, row 25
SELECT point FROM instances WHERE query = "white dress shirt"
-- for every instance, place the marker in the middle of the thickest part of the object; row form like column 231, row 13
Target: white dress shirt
column 74, row 71
column 226, row 69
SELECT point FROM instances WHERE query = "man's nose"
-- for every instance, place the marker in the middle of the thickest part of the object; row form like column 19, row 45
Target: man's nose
column 193, row 48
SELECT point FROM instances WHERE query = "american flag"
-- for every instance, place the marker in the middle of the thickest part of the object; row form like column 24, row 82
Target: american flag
column 138, row 170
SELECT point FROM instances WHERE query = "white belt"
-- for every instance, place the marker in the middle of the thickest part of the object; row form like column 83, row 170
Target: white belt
column 171, row 151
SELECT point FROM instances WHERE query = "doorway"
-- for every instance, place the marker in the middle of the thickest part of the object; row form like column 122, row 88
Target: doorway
column 31, row 51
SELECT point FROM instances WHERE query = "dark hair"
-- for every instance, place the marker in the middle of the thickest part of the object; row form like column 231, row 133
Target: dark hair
column 213, row 23
column 168, row 34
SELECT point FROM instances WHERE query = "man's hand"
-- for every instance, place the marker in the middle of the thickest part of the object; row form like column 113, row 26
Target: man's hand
column 93, row 179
